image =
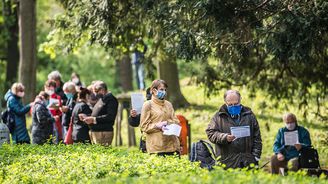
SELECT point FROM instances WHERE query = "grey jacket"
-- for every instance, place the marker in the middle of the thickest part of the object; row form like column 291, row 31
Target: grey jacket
column 42, row 123
column 242, row 151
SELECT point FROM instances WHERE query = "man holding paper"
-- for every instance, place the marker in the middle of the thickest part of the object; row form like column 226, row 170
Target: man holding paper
column 289, row 141
column 236, row 133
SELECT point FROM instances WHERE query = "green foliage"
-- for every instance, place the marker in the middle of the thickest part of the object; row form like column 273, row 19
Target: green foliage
column 97, row 164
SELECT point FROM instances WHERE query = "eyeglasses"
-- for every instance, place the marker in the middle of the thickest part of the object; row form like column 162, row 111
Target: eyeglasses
column 231, row 105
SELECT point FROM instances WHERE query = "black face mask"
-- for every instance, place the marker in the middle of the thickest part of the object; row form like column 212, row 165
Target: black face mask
column 99, row 96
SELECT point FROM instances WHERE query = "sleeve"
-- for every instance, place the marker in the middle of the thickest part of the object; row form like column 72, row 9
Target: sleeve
column 257, row 141
column 173, row 117
column 134, row 120
column 16, row 108
column 305, row 139
column 43, row 115
column 146, row 124
column 277, row 146
column 110, row 116
column 214, row 134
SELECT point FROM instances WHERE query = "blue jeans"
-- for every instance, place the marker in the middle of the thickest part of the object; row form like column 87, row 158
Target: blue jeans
column 139, row 73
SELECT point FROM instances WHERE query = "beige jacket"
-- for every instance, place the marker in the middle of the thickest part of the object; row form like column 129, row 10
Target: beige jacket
column 155, row 111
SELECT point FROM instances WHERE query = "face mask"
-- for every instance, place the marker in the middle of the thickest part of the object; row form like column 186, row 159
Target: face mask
column 46, row 102
column 99, row 96
column 21, row 94
column 69, row 95
column 76, row 80
column 50, row 92
column 234, row 110
column 290, row 126
column 161, row 94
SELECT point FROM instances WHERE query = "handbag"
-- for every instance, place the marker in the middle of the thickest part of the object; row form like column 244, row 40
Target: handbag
column 69, row 138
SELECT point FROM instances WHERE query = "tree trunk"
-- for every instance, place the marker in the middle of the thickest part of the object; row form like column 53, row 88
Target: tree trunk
column 168, row 71
column 125, row 73
column 11, row 24
column 27, row 33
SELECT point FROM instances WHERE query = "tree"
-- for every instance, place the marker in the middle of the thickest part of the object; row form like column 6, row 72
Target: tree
column 27, row 33
column 9, row 11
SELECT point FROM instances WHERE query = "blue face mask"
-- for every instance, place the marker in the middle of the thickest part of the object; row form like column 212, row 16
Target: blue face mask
column 161, row 94
column 69, row 95
column 234, row 110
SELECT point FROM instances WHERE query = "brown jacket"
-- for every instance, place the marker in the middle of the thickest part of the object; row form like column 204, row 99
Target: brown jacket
column 242, row 151
column 155, row 111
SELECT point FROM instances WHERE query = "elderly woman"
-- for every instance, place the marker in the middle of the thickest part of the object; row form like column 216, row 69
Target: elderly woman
column 42, row 120
column 14, row 104
column 67, row 108
column 289, row 153
column 155, row 115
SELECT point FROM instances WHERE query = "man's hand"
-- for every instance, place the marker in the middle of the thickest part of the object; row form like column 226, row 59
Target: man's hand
column 64, row 109
column 298, row 147
column 280, row 157
column 230, row 138
column 133, row 113
column 89, row 120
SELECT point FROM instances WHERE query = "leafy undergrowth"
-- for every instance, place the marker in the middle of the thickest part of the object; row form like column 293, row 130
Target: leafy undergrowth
column 97, row 164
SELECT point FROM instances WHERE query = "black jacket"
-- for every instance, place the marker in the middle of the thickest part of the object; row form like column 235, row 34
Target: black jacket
column 42, row 123
column 134, row 121
column 105, row 112
column 66, row 119
column 80, row 128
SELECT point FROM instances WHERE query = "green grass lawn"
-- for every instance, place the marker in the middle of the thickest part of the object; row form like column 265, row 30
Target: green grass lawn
column 96, row 164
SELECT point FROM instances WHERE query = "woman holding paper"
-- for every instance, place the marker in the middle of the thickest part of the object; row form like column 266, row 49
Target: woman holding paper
column 157, row 119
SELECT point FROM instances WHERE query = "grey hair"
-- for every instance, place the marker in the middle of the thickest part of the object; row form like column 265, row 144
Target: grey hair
column 289, row 115
column 54, row 75
column 231, row 91
column 99, row 85
column 69, row 86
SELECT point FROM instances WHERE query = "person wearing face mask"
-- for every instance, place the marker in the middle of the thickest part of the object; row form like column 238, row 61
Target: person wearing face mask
column 134, row 121
column 56, row 103
column 75, row 78
column 155, row 115
column 241, row 151
column 103, row 116
column 80, row 128
column 42, row 120
column 67, row 108
column 56, row 76
column 14, row 104
column 289, row 153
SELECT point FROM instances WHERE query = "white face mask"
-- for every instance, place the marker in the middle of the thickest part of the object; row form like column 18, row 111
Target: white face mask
column 50, row 92
column 290, row 126
column 21, row 94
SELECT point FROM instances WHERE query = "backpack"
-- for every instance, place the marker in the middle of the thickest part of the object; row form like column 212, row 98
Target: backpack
column 203, row 151
column 308, row 158
column 8, row 118
column 4, row 134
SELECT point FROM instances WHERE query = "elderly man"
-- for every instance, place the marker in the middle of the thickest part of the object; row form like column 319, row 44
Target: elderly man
column 103, row 116
column 285, row 152
column 236, row 133
column 56, row 76
column 67, row 108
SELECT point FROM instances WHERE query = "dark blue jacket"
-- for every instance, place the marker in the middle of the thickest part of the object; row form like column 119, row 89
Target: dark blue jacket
column 15, row 105
column 290, row 151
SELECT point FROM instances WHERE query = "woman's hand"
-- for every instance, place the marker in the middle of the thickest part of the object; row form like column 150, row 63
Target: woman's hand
column 160, row 125
column 133, row 113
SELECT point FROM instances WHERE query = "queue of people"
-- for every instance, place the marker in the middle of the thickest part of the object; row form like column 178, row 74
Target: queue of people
column 92, row 111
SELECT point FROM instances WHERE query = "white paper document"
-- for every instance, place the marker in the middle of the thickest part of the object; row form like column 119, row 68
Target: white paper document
column 291, row 138
column 172, row 129
column 240, row 131
column 137, row 100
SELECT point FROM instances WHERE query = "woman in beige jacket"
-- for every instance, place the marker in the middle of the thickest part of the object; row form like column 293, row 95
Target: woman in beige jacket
column 156, row 114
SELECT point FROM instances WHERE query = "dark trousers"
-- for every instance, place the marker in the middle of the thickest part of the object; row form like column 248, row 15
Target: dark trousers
column 276, row 164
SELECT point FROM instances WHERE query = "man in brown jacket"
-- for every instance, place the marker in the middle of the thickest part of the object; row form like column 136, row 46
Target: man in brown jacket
column 236, row 133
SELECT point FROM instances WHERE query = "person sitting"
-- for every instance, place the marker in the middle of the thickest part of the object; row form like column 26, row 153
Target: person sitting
column 289, row 153
column 80, row 128
column 42, row 120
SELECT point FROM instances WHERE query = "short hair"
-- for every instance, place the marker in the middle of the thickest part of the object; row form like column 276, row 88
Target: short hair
column 69, row 86
column 231, row 91
column 75, row 75
column 16, row 87
column 156, row 83
column 83, row 93
column 54, row 75
column 50, row 83
column 99, row 85
column 289, row 115
column 44, row 95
